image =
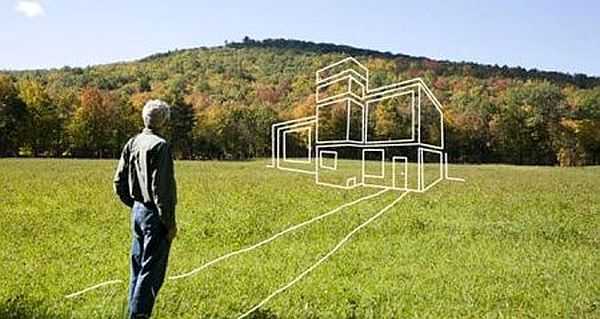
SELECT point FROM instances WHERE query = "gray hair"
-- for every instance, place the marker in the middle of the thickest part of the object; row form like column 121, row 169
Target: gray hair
column 155, row 112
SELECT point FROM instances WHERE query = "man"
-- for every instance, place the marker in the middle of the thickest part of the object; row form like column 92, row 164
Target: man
column 145, row 182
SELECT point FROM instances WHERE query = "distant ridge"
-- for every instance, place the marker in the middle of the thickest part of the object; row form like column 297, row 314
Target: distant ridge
column 438, row 67
column 442, row 67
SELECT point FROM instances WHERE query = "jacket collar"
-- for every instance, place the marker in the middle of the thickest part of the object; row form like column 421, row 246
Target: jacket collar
column 147, row 130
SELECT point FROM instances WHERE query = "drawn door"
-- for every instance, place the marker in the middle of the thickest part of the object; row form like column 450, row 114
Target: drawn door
column 400, row 172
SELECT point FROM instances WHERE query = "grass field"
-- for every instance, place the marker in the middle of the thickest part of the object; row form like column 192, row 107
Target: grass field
column 510, row 242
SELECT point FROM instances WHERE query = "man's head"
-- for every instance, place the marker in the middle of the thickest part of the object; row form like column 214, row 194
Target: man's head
column 155, row 114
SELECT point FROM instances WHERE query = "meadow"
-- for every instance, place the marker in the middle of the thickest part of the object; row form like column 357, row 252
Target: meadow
column 513, row 241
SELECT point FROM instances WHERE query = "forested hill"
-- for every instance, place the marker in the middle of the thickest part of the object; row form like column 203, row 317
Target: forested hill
column 225, row 99
column 439, row 67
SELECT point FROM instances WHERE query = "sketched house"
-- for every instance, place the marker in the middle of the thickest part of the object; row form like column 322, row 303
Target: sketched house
column 386, row 137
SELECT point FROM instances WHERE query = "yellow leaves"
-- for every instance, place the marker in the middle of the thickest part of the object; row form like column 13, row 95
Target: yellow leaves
column 384, row 122
column 383, row 65
column 7, row 87
column 305, row 108
column 588, row 130
column 32, row 92
column 569, row 124
column 198, row 101
column 450, row 116
column 138, row 100
column 268, row 93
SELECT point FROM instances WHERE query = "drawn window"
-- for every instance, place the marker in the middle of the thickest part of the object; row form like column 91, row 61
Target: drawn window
column 373, row 163
column 328, row 159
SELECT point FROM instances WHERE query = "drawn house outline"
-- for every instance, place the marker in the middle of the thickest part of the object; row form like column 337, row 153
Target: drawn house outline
column 415, row 162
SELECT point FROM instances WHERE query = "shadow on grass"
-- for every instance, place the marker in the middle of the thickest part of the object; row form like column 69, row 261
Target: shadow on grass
column 262, row 314
column 24, row 307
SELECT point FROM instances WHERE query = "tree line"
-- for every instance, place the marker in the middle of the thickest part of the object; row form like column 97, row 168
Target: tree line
column 225, row 99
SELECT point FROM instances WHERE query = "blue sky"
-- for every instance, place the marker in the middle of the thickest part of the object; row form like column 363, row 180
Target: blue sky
column 548, row 35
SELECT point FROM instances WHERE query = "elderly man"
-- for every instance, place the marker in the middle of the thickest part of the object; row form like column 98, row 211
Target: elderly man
column 145, row 182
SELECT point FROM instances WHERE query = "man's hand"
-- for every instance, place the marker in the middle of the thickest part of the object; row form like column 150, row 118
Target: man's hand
column 171, row 233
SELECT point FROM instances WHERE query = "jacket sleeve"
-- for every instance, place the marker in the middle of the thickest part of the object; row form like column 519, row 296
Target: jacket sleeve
column 164, row 188
column 121, row 180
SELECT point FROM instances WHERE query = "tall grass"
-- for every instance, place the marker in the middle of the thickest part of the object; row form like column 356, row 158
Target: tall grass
column 510, row 242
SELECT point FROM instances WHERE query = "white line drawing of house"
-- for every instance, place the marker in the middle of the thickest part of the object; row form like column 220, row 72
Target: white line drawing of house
column 407, row 153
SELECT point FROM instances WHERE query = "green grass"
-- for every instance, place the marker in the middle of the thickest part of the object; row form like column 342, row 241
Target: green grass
column 510, row 242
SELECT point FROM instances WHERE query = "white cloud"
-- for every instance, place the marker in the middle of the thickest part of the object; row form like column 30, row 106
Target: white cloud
column 30, row 8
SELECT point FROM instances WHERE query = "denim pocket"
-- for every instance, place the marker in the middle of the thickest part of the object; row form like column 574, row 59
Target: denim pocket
column 150, row 222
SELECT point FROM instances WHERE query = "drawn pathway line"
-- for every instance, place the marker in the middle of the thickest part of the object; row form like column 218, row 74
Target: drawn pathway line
column 231, row 254
column 106, row 283
column 329, row 254
column 270, row 239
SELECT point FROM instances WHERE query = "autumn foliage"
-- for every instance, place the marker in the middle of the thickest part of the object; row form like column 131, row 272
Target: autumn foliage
column 226, row 98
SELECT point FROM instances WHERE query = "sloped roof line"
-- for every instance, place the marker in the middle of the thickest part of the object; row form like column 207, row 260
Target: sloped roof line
column 377, row 90
column 431, row 96
column 341, row 75
column 344, row 61
column 364, row 68
column 403, row 85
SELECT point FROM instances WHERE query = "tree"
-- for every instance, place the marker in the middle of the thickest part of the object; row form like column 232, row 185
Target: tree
column 528, row 124
column 181, row 127
column 13, row 114
column 183, row 118
column 260, row 119
column 97, row 124
column 64, row 101
column 45, row 124
column 469, row 113
column 580, row 141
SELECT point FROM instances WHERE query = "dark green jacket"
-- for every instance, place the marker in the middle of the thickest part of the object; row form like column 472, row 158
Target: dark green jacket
column 145, row 174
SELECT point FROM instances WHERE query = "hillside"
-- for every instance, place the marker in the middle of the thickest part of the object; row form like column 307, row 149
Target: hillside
column 438, row 67
column 225, row 98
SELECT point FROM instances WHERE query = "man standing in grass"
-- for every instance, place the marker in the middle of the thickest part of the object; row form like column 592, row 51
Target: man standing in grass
column 145, row 181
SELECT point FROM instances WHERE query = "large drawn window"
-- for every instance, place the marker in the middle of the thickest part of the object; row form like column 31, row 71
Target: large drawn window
column 391, row 118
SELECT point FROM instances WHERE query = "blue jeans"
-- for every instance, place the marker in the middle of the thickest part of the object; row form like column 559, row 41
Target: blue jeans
column 149, row 257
